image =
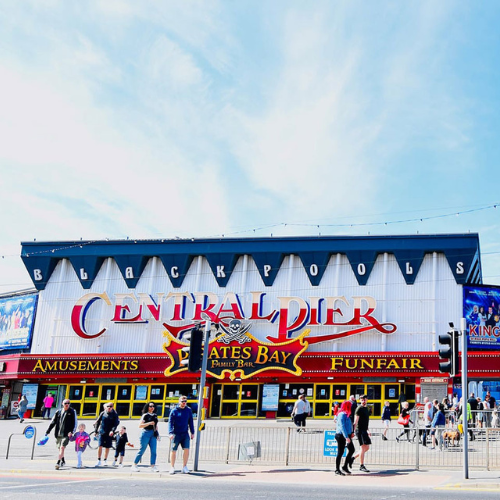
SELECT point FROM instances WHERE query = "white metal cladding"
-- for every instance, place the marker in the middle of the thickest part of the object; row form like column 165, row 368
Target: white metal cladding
column 420, row 311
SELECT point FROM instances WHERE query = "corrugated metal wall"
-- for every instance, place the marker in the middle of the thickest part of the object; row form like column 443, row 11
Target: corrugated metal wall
column 420, row 311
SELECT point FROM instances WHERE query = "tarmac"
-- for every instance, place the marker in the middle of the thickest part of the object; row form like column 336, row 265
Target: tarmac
column 45, row 457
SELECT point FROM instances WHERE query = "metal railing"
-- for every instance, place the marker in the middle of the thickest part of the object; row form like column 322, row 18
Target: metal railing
column 288, row 447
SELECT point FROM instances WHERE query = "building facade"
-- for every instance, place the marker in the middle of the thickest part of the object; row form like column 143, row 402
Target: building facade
column 322, row 316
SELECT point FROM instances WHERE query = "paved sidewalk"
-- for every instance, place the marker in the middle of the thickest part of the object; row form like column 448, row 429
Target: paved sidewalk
column 390, row 477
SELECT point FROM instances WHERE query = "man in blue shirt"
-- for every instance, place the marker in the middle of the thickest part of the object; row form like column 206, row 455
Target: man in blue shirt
column 180, row 422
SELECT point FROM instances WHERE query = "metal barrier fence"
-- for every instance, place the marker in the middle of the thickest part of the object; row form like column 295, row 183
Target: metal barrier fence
column 286, row 446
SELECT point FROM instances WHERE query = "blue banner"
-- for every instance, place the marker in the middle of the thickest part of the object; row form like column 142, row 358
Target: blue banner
column 17, row 318
column 482, row 315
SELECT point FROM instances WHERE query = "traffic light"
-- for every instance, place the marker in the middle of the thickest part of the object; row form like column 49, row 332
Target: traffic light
column 194, row 350
column 449, row 350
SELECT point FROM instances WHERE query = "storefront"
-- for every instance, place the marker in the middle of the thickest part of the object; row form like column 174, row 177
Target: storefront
column 326, row 317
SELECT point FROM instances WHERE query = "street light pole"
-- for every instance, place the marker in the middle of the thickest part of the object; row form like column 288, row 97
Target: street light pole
column 465, row 410
column 208, row 327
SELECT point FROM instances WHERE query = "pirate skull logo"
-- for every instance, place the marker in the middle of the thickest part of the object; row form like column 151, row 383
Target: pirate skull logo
column 236, row 330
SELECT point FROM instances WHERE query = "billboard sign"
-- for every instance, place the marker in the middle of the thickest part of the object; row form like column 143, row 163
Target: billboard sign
column 482, row 314
column 17, row 319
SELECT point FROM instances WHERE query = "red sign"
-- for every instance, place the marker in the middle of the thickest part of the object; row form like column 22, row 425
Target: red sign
column 240, row 355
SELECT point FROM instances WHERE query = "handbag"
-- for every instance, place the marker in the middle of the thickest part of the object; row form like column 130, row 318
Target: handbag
column 403, row 420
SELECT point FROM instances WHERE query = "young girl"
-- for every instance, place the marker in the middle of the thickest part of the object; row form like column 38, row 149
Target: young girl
column 81, row 439
column 121, row 441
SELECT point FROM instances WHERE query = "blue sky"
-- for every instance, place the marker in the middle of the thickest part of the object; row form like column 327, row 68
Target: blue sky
column 157, row 119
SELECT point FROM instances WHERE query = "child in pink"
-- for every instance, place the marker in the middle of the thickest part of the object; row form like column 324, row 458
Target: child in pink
column 81, row 439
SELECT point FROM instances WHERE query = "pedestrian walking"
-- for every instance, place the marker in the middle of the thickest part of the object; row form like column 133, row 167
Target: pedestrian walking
column 121, row 443
column 106, row 425
column 405, row 420
column 149, row 436
column 438, row 426
column 361, row 426
column 81, row 439
column 386, row 419
column 22, row 408
column 181, row 432
column 64, row 424
column 428, row 416
column 299, row 413
column 344, row 436
column 48, row 402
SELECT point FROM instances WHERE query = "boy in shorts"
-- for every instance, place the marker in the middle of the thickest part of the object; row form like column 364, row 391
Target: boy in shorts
column 121, row 442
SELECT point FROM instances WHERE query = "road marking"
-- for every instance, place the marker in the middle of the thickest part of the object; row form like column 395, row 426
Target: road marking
column 51, row 483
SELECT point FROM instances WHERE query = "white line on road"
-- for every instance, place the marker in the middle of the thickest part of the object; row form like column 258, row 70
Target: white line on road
column 51, row 483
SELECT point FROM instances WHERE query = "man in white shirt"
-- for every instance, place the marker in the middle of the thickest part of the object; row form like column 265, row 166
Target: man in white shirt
column 299, row 413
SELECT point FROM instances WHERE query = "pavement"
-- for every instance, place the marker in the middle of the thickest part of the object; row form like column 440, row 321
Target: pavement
column 45, row 457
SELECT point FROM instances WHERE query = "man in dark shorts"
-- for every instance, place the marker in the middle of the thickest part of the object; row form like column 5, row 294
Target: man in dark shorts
column 361, row 423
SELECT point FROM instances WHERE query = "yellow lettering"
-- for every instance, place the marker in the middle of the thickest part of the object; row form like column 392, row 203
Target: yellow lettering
column 381, row 363
column 93, row 367
column 105, row 366
column 214, row 353
column 134, row 365
column 224, row 351
column 416, row 363
column 247, row 352
column 39, row 366
column 115, row 365
column 404, row 363
column 235, row 352
column 275, row 357
column 285, row 356
column 72, row 365
column 337, row 363
column 366, row 363
column 261, row 357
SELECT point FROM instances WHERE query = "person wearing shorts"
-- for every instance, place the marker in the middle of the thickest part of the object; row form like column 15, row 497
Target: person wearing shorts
column 386, row 419
column 361, row 424
column 64, row 422
column 106, row 426
column 180, row 426
column 121, row 442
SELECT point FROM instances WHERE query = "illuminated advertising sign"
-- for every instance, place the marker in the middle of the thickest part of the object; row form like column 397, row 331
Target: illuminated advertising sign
column 17, row 318
column 482, row 315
